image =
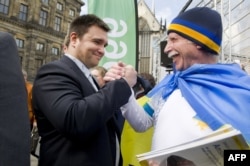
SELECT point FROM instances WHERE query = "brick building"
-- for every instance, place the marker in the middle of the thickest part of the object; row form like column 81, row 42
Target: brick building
column 39, row 27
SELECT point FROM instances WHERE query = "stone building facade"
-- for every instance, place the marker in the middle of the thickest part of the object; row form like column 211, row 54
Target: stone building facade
column 149, row 31
column 39, row 27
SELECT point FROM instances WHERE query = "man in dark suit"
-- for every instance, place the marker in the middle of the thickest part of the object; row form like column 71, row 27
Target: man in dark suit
column 14, row 121
column 75, row 118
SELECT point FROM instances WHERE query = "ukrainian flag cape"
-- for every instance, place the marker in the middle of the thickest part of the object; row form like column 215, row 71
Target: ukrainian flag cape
column 218, row 93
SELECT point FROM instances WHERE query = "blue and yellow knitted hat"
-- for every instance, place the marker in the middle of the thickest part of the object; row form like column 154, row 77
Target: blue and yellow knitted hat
column 201, row 25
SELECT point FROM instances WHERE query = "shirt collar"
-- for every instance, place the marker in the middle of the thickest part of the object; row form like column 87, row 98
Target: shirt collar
column 80, row 65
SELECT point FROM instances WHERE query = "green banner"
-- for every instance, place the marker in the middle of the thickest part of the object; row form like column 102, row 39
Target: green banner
column 121, row 16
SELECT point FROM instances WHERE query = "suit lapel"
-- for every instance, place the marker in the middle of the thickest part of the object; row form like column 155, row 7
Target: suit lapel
column 96, row 84
column 80, row 75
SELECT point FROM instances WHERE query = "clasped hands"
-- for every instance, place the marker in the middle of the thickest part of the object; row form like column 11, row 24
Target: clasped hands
column 121, row 70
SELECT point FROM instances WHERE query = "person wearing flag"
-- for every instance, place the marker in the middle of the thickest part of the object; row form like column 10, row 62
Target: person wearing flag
column 201, row 95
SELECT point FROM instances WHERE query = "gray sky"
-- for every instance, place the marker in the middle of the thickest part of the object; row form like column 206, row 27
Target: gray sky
column 165, row 9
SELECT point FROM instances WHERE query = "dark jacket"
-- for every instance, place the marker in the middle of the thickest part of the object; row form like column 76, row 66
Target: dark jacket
column 76, row 124
column 14, row 119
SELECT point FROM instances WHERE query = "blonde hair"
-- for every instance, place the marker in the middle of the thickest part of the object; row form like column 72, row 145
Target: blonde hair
column 101, row 69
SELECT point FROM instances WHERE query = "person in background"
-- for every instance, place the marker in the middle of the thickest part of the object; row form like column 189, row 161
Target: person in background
column 29, row 99
column 14, row 120
column 99, row 72
column 33, row 126
column 242, row 66
column 75, row 118
column 202, row 95
column 145, row 82
column 150, row 78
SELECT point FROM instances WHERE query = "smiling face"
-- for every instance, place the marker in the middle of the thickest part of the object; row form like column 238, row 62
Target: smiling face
column 90, row 48
column 185, row 53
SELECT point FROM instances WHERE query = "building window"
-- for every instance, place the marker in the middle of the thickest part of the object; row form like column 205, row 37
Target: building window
column 59, row 6
column 4, row 6
column 23, row 12
column 38, row 63
column 55, row 51
column 57, row 23
column 45, row 2
column 71, row 12
column 20, row 43
column 43, row 17
column 40, row 47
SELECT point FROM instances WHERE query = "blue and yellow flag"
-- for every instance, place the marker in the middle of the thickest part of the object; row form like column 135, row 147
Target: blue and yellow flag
column 218, row 93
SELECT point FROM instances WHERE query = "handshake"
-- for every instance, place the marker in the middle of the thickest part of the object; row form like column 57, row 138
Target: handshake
column 121, row 70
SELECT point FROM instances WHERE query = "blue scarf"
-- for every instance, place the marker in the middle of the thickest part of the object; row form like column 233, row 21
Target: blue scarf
column 218, row 93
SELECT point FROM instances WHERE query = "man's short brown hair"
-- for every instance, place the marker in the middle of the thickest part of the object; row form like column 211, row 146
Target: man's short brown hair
column 81, row 24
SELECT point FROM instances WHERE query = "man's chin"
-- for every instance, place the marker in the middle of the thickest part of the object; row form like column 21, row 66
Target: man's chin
column 95, row 64
column 178, row 68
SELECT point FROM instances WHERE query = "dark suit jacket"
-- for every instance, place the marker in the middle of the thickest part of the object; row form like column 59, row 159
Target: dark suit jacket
column 14, row 120
column 76, row 124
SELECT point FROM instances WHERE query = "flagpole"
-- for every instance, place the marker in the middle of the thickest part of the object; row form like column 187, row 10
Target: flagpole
column 136, row 36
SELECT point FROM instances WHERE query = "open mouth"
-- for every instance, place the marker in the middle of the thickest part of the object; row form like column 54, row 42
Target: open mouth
column 173, row 54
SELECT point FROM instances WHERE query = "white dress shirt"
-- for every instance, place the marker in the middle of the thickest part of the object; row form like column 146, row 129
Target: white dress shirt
column 84, row 69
